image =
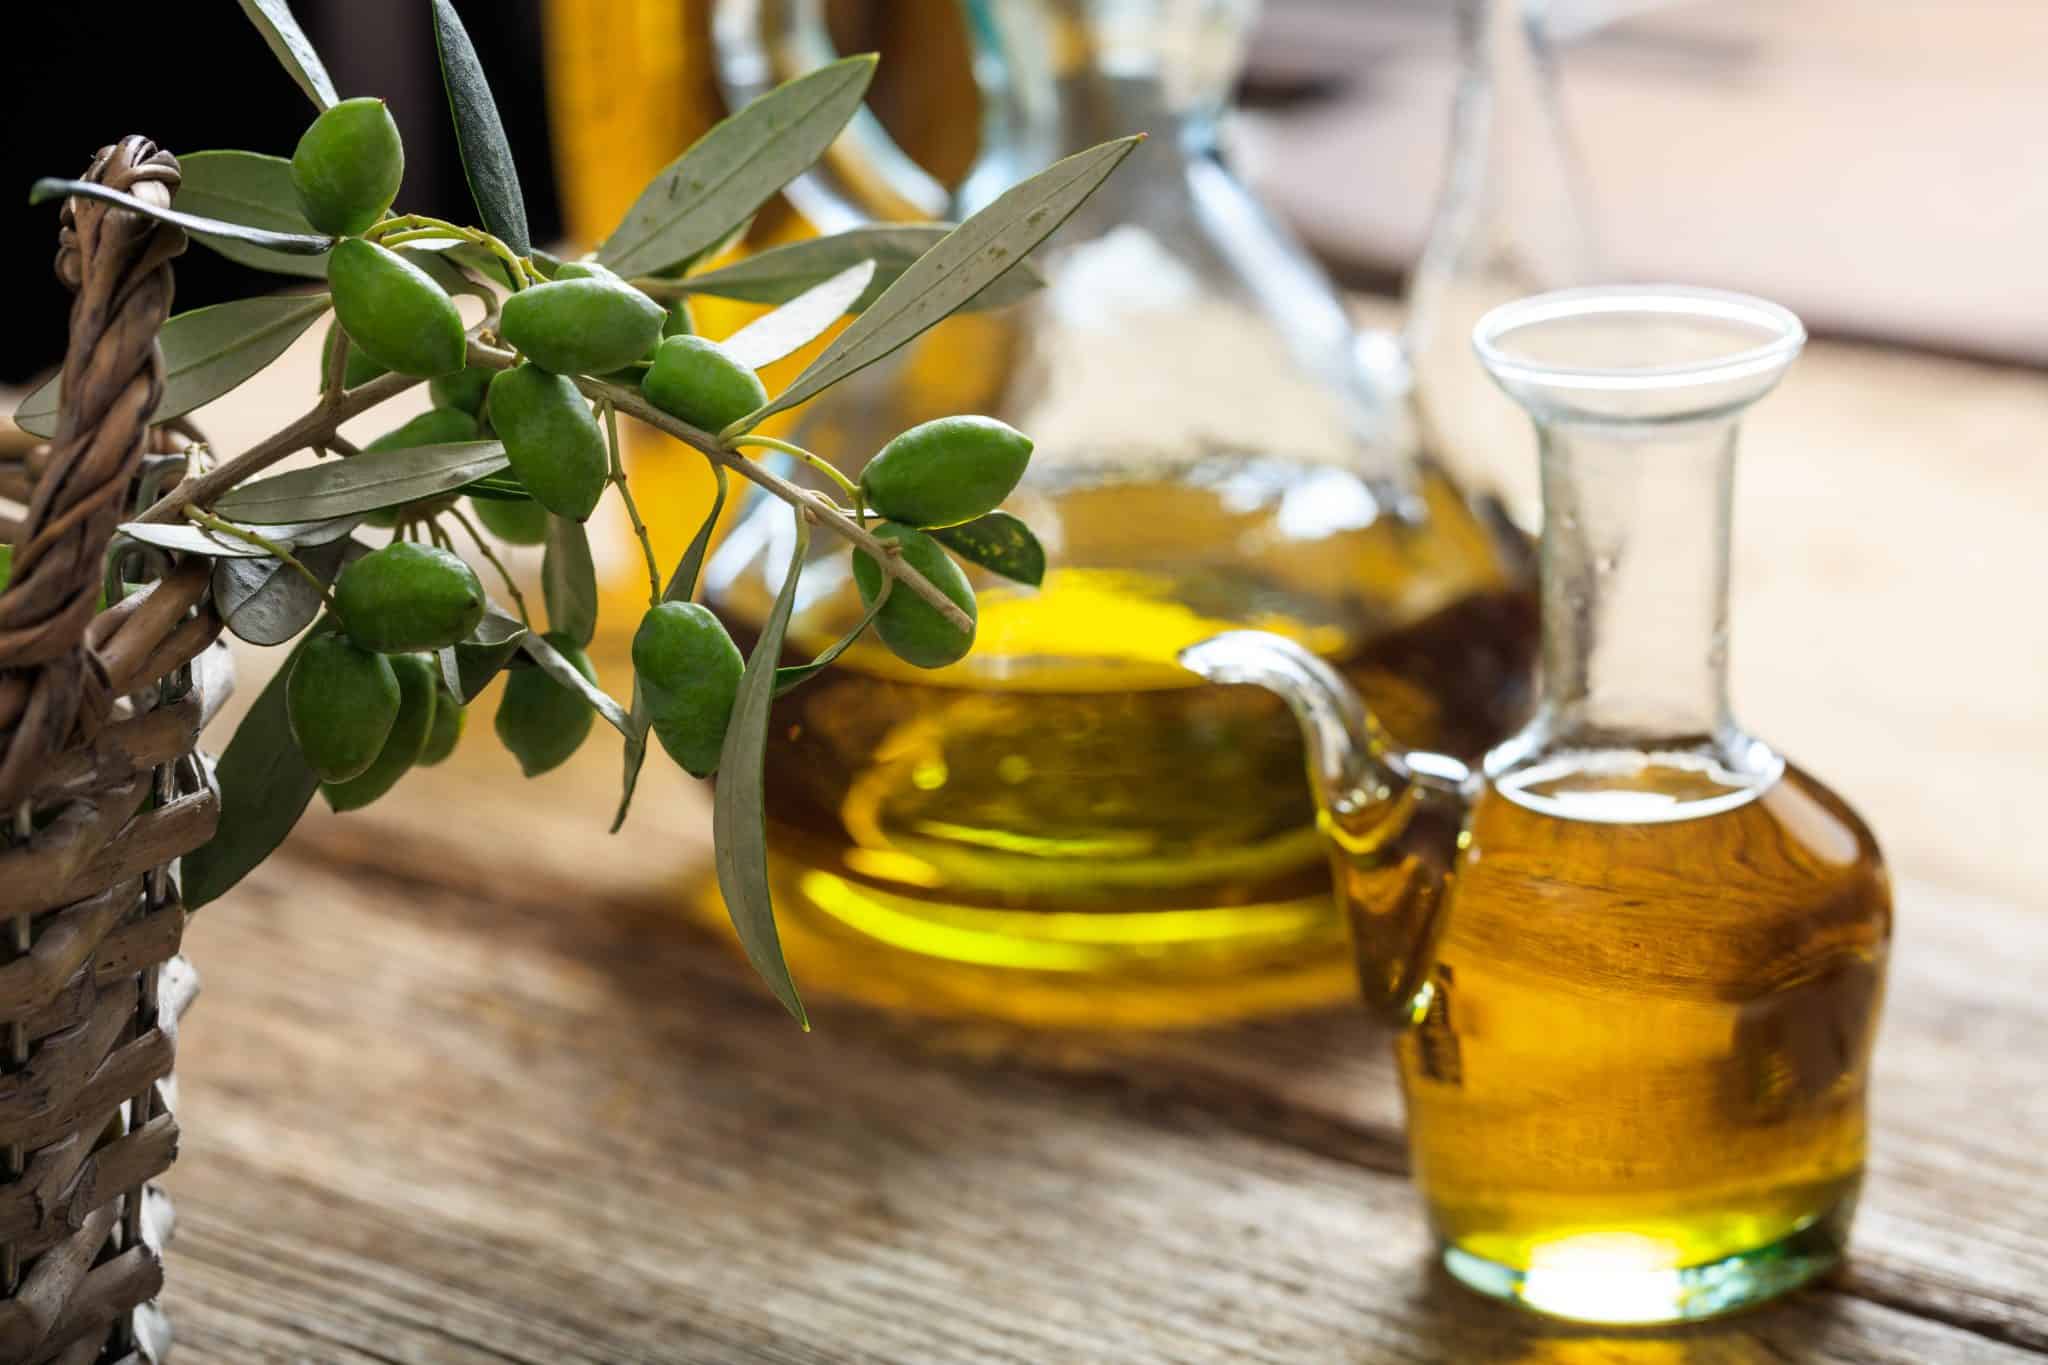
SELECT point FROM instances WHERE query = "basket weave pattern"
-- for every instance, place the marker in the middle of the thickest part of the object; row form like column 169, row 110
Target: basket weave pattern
column 101, row 791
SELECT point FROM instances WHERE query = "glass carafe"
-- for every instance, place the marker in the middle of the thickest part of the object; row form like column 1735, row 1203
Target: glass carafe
column 1635, row 956
column 1511, row 219
column 1065, row 827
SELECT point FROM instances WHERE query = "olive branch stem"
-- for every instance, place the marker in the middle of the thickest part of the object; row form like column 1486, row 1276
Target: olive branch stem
column 415, row 227
column 825, row 467
column 315, row 427
column 618, row 479
column 270, row 547
column 816, row 506
column 504, row 574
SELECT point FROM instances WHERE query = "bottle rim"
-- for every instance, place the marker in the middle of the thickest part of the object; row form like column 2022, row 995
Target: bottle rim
column 1780, row 336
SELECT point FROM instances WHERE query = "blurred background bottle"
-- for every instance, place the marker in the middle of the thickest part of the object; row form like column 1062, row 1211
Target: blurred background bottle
column 1066, row 827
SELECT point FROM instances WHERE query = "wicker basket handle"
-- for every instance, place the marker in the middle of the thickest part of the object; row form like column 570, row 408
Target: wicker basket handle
column 54, row 685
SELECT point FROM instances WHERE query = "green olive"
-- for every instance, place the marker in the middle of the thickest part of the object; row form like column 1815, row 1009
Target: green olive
column 418, row 681
column 689, row 671
column 340, row 701
column 516, row 521
column 698, row 380
column 357, row 369
column 947, row 471
column 909, row 625
column 464, row 389
column 581, row 326
column 539, row 720
column 552, row 439
column 347, row 166
column 394, row 311
column 407, row 597
column 585, row 270
column 449, row 715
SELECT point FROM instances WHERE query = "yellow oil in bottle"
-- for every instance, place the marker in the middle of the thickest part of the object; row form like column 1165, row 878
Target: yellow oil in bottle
column 1636, row 1090
column 1066, row 827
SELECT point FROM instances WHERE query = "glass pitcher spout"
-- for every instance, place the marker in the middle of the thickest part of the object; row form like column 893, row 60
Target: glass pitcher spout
column 1389, row 815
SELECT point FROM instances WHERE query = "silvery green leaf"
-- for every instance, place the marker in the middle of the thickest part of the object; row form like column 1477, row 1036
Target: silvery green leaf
column 186, row 538
column 735, row 168
column 207, row 352
column 467, row 668
column 569, row 580
column 362, row 483
column 795, row 675
column 301, row 244
column 264, row 787
column 739, row 820
column 273, row 19
column 562, row 671
column 251, row 189
column 266, row 601
column 799, row 322
column 998, row 542
column 682, row 585
column 480, row 133
column 970, row 258
column 780, row 273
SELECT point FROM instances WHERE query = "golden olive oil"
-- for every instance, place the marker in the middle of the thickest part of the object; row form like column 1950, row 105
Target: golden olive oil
column 1068, row 828
column 1645, row 1038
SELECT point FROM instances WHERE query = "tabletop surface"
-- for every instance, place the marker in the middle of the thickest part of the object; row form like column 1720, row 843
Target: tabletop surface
column 466, row 1086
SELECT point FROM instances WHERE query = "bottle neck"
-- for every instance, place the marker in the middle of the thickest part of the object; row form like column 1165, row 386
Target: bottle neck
column 1635, row 583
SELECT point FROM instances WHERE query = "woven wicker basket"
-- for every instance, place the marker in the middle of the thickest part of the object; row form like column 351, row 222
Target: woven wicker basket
column 101, row 791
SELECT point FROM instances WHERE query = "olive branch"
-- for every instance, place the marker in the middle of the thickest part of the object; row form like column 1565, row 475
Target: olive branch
column 525, row 418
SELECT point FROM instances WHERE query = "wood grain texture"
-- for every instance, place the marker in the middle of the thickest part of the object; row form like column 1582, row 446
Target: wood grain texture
column 703, row 1183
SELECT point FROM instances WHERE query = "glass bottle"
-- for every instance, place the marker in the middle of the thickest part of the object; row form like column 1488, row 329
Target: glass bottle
column 1062, row 828
column 1635, row 956
column 1510, row 220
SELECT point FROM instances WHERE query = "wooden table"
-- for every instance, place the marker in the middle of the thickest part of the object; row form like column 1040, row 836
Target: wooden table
column 465, row 1086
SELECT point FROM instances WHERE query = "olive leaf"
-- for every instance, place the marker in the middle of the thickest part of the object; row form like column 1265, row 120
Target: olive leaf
column 298, row 243
column 273, row 19
column 255, row 191
column 970, row 258
column 789, row 679
column 999, row 543
column 468, row 666
column 266, row 601
column 480, row 133
column 568, row 580
column 739, row 819
column 264, row 787
column 735, row 168
column 562, row 671
column 367, row 482
column 188, row 539
column 799, row 322
column 780, row 273
column 207, row 352
column 682, row 585
column 497, row 490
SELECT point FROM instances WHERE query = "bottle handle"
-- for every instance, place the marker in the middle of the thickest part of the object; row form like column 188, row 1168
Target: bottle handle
column 867, row 177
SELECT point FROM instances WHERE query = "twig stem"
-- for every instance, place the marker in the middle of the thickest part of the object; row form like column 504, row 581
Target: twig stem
column 825, row 467
column 618, row 478
column 269, row 547
column 311, row 429
column 491, row 556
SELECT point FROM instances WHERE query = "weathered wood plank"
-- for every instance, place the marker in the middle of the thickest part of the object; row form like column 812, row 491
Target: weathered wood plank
column 433, row 1127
